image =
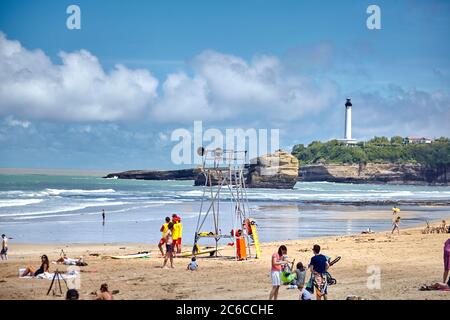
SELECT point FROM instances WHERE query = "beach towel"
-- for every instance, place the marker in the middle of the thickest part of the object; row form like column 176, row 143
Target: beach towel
column 49, row 276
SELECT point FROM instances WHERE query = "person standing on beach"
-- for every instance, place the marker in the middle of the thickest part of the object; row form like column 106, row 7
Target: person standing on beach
column 277, row 263
column 446, row 260
column 396, row 225
column 176, row 232
column 169, row 246
column 103, row 216
column 4, row 252
column 163, row 230
column 318, row 267
column 179, row 230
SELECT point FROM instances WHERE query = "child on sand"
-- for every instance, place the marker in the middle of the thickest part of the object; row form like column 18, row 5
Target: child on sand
column 193, row 266
column 300, row 282
column 163, row 230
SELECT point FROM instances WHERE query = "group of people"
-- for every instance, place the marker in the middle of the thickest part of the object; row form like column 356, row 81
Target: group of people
column 318, row 267
column 172, row 233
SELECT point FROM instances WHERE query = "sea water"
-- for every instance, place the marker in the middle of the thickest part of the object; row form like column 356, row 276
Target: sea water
column 67, row 209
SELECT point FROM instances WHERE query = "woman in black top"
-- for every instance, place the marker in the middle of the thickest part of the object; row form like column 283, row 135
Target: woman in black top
column 43, row 268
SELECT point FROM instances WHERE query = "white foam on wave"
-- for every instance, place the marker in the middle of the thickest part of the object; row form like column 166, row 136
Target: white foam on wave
column 18, row 202
column 66, row 209
column 77, row 191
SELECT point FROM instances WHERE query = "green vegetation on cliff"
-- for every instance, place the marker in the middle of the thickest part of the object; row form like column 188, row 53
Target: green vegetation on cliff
column 376, row 150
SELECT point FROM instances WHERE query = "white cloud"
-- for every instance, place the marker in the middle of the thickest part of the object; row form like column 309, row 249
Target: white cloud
column 226, row 87
column 76, row 90
column 10, row 121
column 402, row 111
column 221, row 87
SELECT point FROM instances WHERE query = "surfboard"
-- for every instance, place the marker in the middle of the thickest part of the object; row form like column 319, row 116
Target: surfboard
column 211, row 251
column 133, row 256
column 256, row 241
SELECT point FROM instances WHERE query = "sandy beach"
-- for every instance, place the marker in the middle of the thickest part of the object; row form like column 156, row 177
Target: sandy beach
column 406, row 262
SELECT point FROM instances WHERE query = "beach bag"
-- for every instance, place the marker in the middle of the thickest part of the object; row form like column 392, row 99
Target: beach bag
column 288, row 277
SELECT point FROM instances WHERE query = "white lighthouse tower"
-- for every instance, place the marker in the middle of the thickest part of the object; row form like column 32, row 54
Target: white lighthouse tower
column 348, row 123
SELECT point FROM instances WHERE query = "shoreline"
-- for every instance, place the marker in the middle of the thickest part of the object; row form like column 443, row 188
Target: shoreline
column 225, row 278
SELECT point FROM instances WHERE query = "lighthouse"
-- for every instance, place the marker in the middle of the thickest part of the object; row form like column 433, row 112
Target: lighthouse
column 348, row 120
column 348, row 124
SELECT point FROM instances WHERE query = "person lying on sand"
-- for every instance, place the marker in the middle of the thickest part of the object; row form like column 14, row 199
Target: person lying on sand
column 104, row 293
column 71, row 262
column 45, row 265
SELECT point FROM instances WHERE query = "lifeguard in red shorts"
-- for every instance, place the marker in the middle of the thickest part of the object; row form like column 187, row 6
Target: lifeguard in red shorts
column 177, row 232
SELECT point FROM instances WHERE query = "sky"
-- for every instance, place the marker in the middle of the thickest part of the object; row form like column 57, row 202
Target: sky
column 110, row 95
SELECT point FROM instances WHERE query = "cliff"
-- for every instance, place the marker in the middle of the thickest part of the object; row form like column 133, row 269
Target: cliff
column 283, row 176
column 275, row 171
column 183, row 174
column 415, row 174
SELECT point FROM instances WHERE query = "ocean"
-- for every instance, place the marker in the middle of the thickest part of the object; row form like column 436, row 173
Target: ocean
column 39, row 208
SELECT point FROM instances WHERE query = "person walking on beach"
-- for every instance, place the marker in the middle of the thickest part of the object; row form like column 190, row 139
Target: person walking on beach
column 318, row 267
column 4, row 252
column 169, row 246
column 446, row 260
column 277, row 262
column 163, row 230
column 103, row 216
column 396, row 225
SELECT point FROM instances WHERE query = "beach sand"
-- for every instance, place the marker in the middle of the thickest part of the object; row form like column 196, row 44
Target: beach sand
column 406, row 262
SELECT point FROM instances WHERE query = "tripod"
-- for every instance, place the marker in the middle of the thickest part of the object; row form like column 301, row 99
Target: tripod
column 58, row 278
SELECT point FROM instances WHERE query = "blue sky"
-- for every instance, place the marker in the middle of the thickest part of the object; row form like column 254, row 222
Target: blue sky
column 288, row 65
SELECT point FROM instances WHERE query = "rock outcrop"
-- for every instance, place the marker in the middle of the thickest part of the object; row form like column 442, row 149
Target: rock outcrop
column 276, row 171
column 414, row 174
